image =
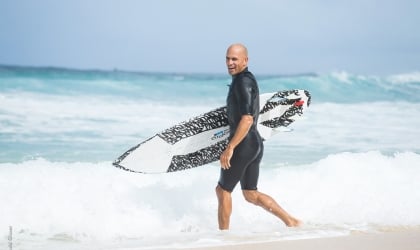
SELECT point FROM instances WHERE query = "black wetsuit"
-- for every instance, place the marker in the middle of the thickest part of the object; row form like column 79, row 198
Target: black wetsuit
column 243, row 99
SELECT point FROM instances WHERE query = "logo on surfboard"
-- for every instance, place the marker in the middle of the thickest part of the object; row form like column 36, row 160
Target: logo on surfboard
column 220, row 134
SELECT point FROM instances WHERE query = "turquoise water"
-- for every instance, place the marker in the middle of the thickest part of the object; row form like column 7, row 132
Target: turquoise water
column 75, row 115
column 353, row 159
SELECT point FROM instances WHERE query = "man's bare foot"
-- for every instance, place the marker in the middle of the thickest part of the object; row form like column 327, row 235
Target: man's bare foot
column 293, row 222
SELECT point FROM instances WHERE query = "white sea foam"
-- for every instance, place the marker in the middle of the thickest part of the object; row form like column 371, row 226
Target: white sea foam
column 328, row 128
column 342, row 76
column 413, row 77
column 40, row 113
column 82, row 124
column 85, row 202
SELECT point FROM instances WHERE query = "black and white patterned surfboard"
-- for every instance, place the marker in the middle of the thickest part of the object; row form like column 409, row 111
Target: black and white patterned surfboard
column 202, row 139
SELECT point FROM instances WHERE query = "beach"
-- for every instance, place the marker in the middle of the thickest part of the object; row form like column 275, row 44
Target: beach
column 401, row 240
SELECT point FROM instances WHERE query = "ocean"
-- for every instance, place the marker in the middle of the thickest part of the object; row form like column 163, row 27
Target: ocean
column 351, row 165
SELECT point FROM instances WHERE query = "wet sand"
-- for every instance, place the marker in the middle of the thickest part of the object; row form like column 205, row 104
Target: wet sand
column 396, row 240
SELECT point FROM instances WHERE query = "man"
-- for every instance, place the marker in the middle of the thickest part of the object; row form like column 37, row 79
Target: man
column 241, row 158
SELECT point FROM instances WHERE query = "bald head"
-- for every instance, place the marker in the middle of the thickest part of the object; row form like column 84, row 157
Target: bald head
column 236, row 58
column 239, row 47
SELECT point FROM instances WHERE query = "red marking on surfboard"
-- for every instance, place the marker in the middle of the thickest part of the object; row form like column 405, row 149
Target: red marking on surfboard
column 299, row 103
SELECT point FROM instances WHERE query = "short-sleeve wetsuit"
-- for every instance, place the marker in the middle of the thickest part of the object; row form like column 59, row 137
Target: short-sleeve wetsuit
column 243, row 99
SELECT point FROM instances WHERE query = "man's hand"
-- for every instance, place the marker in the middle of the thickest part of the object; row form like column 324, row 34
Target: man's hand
column 225, row 157
column 243, row 127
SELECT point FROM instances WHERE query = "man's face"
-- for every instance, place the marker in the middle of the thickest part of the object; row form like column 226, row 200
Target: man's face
column 236, row 60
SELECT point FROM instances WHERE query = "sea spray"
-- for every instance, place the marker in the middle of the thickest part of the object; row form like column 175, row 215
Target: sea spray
column 88, row 201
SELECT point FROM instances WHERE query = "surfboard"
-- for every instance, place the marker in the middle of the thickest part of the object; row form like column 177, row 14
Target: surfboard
column 201, row 140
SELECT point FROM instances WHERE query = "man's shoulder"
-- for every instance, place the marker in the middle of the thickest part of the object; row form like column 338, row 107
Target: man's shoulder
column 246, row 76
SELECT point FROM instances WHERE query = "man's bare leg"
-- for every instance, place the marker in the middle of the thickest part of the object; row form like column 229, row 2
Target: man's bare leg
column 260, row 199
column 225, row 207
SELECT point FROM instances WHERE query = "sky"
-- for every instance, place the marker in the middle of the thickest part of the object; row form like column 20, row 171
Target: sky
column 191, row 36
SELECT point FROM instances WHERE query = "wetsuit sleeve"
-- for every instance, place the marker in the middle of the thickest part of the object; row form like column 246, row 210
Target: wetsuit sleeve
column 245, row 96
